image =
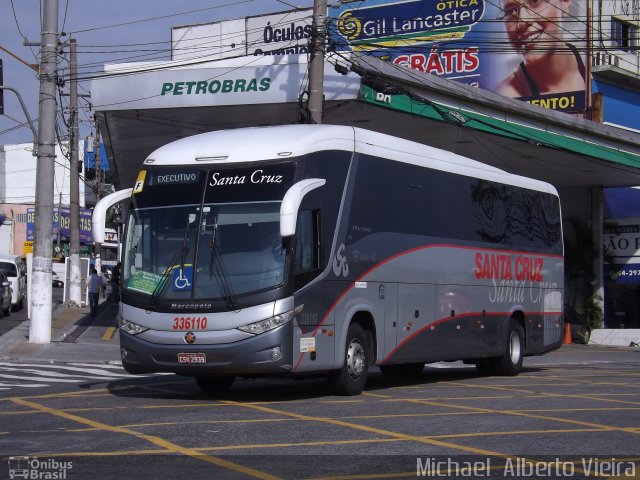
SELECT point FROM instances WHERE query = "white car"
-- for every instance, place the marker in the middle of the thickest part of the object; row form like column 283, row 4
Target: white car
column 16, row 271
column 57, row 281
column 5, row 294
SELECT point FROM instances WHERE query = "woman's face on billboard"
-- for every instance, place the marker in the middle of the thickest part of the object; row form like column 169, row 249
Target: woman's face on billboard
column 535, row 27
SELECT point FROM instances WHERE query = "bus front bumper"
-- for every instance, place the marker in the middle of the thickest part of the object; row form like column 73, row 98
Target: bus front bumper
column 266, row 354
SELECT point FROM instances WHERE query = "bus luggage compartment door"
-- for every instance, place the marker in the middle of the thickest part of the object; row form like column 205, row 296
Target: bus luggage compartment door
column 415, row 306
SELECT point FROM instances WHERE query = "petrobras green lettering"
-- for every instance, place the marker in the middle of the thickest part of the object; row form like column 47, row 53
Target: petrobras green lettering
column 204, row 87
column 227, row 86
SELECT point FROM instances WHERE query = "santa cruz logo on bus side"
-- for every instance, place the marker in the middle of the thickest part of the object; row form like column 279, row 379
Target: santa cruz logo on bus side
column 340, row 266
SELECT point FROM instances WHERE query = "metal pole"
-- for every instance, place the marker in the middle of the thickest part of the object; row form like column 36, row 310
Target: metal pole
column 97, row 153
column 59, row 216
column 41, row 290
column 97, row 246
column 75, row 275
column 316, row 63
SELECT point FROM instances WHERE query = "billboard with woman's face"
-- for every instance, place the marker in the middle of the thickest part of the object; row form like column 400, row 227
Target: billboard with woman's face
column 533, row 50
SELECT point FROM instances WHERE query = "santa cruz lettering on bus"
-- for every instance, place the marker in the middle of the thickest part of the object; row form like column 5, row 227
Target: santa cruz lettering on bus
column 258, row 176
column 501, row 266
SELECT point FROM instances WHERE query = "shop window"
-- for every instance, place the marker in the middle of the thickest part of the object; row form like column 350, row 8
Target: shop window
column 624, row 35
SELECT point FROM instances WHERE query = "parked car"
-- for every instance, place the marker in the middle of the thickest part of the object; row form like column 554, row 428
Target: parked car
column 16, row 271
column 59, row 272
column 580, row 329
column 57, row 282
column 5, row 294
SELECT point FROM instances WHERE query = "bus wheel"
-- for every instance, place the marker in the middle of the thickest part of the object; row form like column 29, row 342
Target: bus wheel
column 408, row 370
column 352, row 377
column 510, row 363
column 215, row 385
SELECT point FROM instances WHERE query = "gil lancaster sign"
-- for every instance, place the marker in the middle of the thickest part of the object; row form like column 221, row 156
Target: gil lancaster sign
column 402, row 24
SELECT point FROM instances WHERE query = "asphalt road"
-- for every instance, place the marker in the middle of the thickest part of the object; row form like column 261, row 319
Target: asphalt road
column 571, row 414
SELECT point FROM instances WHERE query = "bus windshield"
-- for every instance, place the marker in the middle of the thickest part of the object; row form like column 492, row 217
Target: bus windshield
column 209, row 252
column 202, row 240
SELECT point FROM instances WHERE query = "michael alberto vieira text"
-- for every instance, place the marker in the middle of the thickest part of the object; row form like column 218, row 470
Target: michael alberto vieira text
column 521, row 467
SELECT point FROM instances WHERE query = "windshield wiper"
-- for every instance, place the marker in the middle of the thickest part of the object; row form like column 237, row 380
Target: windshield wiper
column 216, row 262
column 180, row 253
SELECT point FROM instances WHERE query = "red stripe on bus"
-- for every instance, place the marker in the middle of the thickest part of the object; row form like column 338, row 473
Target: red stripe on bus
column 456, row 317
column 407, row 252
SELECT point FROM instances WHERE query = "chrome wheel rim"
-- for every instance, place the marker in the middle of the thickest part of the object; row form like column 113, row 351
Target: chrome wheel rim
column 515, row 348
column 355, row 359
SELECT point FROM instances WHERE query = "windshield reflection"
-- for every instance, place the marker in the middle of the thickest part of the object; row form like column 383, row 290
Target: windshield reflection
column 219, row 251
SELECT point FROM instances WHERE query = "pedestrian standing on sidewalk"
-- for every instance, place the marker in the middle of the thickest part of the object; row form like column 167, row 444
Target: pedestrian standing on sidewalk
column 115, row 283
column 95, row 284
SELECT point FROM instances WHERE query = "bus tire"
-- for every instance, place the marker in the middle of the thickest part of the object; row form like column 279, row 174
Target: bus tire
column 215, row 386
column 510, row 363
column 352, row 377
column 408, row 370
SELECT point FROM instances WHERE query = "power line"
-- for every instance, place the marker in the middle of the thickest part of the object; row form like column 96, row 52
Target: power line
column 151, row 19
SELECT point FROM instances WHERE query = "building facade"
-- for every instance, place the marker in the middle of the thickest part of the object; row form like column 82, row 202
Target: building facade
column 449, row 74
column 17, row 192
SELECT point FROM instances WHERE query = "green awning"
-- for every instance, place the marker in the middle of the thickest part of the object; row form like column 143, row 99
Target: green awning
column 421, row 107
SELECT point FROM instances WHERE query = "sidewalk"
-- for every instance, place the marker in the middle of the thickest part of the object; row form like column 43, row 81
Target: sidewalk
column 75, row 337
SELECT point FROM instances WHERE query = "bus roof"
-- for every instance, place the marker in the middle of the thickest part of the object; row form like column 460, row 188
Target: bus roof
column 285, row 141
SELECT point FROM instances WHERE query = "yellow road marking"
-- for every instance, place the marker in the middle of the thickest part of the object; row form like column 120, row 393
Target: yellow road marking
column 558, row 395
column 388, row 433
column 153, row 439
column 517, row 413
column 364, row 428
column 108, row 333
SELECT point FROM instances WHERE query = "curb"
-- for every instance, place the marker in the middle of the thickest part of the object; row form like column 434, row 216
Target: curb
column 68, row 327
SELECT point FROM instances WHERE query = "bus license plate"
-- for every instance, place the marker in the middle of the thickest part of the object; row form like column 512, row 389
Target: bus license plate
column 192, row 358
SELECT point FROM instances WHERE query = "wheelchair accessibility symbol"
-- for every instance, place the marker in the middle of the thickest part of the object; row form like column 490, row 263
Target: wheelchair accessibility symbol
column 182, row 279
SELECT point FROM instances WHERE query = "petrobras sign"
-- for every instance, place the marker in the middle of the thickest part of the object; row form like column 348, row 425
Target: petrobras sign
column 265, row 81
column 533, row 52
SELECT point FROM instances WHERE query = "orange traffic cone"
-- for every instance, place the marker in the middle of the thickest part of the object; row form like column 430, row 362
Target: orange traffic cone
column 567, row 334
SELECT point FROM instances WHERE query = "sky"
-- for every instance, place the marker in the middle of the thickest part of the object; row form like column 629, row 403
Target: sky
column 108, row 31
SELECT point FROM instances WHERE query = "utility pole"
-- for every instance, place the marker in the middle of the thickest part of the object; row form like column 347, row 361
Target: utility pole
column 97, row 246
column 316, row 63
column 59, row 215
column 41, row 290
column 75, row 275
column 98, row 156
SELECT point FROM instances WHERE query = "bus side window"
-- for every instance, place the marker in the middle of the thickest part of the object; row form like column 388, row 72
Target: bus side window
column 307, row 250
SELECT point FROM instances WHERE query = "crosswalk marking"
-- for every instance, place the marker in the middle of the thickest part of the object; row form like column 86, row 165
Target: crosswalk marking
column 7, row 386
column 92, row 369
column 34, row 375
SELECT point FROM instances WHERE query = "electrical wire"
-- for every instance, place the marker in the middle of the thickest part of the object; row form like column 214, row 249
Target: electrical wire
column 123, row 24
column 15, row 17
column 394, row 88
column 488, row 46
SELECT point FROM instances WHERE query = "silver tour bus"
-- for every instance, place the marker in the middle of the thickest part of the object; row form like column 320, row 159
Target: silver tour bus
column 325, row 250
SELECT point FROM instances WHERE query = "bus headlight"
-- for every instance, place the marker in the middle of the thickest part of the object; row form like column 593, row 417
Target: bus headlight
column 267, row 324
column 130, row 327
